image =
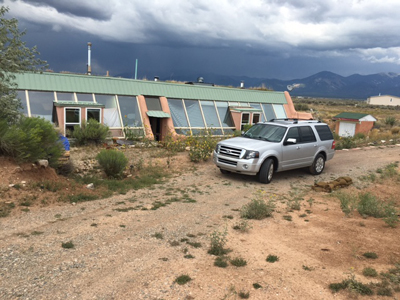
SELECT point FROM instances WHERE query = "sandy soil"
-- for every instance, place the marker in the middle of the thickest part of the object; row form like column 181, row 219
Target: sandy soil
column 125, row 250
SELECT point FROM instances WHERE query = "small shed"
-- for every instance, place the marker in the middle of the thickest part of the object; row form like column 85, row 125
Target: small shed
column 349, row 124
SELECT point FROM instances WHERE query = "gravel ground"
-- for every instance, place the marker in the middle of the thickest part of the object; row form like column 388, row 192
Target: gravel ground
column 124, row 250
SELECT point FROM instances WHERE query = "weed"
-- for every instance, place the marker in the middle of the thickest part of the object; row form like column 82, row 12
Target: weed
column 183, row 279
column 306, row 268
column 287, row 218
column 218, row 241
column 242, row 226
column 370, row 255
column 257, row 208
column 221, row 262
column 188, row 256
column 230, row 217
column 272, row 258
column 25, row 210
column 244, row 295
column 194, row 244
column 303, row 215
column 5, row 209
column 352, row 285
column 68, row 245
column 310, row 201
column 370, row 272
column 238, row 262
column 158, row 235
column 370, row 206
column 37, row 232
column 384, row 291
column 122, row 226
column 391, row 218
column 347, row 202
column 125, row 209
column 257, row 286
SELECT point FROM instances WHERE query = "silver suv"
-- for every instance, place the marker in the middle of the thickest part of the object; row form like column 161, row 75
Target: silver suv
column 277, row 145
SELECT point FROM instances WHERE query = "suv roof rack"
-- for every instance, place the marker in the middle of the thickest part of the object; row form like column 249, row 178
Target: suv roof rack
column 295, row 120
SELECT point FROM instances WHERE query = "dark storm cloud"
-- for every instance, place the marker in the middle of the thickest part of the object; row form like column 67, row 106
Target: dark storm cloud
column 75, row 8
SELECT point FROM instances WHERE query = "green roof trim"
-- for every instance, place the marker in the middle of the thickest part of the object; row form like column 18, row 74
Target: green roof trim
column 245, row 109
column 79, row 104
column 158, row 114
column 350, row 115
column 61, row 82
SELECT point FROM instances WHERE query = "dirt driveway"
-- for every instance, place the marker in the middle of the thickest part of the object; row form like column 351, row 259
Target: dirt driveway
column 124, row 249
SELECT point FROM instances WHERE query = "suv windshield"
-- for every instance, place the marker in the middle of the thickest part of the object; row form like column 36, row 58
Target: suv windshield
column 266, row 132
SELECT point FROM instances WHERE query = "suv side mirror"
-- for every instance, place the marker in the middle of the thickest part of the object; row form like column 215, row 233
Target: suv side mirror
column 291, row 141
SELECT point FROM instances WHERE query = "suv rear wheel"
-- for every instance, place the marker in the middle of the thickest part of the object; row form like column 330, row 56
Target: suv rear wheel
column 318, row 165
column 266, row 171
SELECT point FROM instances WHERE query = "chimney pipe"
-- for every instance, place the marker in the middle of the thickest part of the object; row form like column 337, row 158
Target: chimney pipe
column 89, row 67
column 242, row 84
column 156, row 78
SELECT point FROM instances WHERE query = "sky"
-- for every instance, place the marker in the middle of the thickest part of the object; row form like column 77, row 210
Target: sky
column 279, row 39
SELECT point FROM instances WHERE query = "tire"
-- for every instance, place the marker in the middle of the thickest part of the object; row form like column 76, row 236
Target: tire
column 266, row 171
column 318, row 165
column 224, row 171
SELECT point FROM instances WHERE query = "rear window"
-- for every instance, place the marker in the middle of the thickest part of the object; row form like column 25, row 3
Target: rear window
column 324, row 132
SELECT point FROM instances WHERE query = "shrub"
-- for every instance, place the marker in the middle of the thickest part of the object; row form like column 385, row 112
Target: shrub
column 395, row 130
column 218, row 241
column 390, row 121
column 221, row 262
column 201, row 146
column 370, row 206
column 370, row 272
column 183, row 279
column 29, row 140
column 238, row 262
column 371, row 255
column 112, row 162
column 90, row 132
column 257, row 209
column 272, row 258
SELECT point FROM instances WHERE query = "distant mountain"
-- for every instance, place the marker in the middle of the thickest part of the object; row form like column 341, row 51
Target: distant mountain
column 323, row 84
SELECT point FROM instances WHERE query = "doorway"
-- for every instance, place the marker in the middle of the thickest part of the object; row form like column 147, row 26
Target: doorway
column 155, row 124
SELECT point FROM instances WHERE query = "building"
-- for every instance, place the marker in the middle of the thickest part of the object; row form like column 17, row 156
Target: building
column 154, row 108
column 349, row 124
column 384, row 100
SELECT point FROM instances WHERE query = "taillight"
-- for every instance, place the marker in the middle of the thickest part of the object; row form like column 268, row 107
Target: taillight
column 333, row 145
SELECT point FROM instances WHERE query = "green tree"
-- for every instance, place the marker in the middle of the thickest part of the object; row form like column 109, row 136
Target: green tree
column 15, row 57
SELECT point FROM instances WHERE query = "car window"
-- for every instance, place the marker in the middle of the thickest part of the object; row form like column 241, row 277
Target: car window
column 307, row 134
column 324, row 132
column 293, row 133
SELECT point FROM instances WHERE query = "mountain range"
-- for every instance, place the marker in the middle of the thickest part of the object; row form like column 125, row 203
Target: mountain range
column 323, row 84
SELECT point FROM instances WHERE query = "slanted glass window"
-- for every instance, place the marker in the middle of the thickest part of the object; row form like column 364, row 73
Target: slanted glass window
column 130, row 111
column 153, row 103
column 65, row 96
column 41, row 104
column 93, row 113
column 177, row 113
column 194, row 113
column 85, row 97
column 210, row 114
column 72, row 118
column 21, row 96
column 279, row 111
column 269, row 112
column 258, row 106
column 225, row 114
column 111, row 115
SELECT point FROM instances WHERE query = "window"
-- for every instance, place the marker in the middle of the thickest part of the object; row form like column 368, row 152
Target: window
column 153, row 103
column 307, row 134
column 177, row 113
column 269, row 111
column 130, row 111
column 65, row 96
column 210, row 114
column 258, row 106
column 224, row 114
column 21, row 95
column 293, row 133
column 279, row 111
column 111, row 115
column 245, row 120
column 194, row 113
column 324, row 132
column 93, row 113
column 41, row 104
column 72, row 118
column 256, row 118
column 84, row 97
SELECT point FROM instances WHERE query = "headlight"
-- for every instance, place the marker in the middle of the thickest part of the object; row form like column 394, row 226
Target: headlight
column 249, row 154
column 217, row 148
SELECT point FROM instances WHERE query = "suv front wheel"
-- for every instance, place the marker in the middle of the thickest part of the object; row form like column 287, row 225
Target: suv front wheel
column 318, row 165
column 266, row 171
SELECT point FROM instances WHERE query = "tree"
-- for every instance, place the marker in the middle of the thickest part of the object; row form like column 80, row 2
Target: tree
column 15, row 57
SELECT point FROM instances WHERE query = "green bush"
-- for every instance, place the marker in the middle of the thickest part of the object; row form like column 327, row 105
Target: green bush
column 257, row 209
column 391, row 121
column 30, row 139
column 201, row 146
column 370, row 206
column 90, row 132
column 113, row 162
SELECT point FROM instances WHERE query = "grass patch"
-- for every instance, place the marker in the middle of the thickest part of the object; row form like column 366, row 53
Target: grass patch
column 370, row 272
column 272, row 258
column 221, row 262
column 183, row 279
column 370, row 255
column 238, row 262
column 158, row 235
column 68, row 245
column 257, row 208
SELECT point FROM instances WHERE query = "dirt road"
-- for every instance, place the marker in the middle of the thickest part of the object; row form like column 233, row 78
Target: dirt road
column 124, row 249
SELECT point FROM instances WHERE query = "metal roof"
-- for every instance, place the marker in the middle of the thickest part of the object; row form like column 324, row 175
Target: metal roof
column 350, row 115
column 62, row 82
column 158, row 114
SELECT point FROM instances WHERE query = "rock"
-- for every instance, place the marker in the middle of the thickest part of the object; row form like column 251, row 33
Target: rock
column 43, row 163
column 90, row 186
